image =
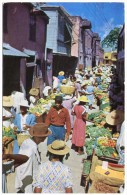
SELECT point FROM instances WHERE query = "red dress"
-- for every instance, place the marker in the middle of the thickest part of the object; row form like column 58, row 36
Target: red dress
column 79, row 130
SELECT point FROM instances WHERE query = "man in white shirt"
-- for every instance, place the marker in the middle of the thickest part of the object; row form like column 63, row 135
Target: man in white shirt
column 30, row 155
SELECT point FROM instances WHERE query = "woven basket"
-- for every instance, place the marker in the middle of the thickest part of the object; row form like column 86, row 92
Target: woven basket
column 21, row 137
column 68, row 90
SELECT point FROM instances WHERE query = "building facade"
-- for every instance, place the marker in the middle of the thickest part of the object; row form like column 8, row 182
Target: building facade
column 24, row 28
column 121, row 56
column 59, row 39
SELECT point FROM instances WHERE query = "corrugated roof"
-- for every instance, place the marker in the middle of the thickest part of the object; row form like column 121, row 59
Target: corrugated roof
column 11, row 51
column 29, row 52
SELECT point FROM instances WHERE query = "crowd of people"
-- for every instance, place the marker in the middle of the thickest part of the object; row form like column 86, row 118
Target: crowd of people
column 67, row 115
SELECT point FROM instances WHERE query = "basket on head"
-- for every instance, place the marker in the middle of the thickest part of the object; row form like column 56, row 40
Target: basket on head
column 21, row 137
column 68, row 90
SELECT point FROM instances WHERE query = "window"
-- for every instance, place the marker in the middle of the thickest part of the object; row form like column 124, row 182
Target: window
column 32, row 27
column 5, row 18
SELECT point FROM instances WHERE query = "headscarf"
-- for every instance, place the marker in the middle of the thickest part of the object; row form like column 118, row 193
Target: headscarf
column 45, row 91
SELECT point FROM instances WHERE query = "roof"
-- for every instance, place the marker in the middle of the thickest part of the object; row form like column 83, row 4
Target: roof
column 61, row 9
column 11, row 51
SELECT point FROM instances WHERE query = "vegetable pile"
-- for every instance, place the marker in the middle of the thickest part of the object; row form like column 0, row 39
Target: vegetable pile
column 95, row 132
column 8, row 132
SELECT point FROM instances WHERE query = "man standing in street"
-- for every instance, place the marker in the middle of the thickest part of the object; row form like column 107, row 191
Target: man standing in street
column 56, row 119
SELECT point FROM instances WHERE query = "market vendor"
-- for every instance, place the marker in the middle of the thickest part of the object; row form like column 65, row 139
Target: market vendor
column 47, row 92
column 34, row 96
column 116, row 118
column 56, row 119
column 88, row 90
column 24, row 119
column 61, row 76
column 8, row 112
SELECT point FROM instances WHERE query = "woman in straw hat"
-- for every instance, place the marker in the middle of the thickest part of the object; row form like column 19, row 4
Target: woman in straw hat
column 28, row 158
column 8, row 113
column 34, row 96
column 53, row 176
column 78, row 136
column 88, row 90
column 61, row 76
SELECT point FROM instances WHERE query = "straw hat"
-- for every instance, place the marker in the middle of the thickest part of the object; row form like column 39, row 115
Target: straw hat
column 83, row 98
column 34, row 91
column 61, row 73
column 115, row 117
column 24, row 103
column 39, row 130
column 58, row 147
column 67, row 97
column 7, row 101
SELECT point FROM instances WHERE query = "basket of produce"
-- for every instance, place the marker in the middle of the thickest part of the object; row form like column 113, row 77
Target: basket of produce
column 37, row 110
column 21, row 137
column 66, row 89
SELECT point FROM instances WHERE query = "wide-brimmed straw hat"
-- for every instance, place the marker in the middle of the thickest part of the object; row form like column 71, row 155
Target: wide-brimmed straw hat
column 39, row 130
column 34, row 91
column 115, row 117
column 61, row 73
column 58, row 147
column 83, row 98
column 24, row 103
column 7, row 101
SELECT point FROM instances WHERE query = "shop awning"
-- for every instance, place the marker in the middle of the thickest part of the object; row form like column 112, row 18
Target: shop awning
column 11, row 51
column 31, row 53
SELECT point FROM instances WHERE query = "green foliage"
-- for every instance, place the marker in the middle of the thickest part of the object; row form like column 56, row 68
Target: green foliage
column 111, row 39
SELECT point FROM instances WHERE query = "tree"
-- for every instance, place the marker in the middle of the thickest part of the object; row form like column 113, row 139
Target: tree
column 111, row 40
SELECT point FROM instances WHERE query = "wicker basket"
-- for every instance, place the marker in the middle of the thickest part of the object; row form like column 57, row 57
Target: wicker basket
column 21, row 137
column 68, row 90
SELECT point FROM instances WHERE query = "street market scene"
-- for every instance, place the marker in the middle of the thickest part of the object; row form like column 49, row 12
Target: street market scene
column 63, row 101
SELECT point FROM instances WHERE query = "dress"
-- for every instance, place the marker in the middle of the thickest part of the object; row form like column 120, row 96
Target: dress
column 69, row 104
column 79, row 130
column 26, row 172
column 53, row 177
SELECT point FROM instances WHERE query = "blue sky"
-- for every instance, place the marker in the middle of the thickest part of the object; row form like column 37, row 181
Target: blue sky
column 103, row 16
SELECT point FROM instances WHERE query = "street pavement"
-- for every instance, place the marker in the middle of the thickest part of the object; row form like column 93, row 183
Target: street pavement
column 74, row 162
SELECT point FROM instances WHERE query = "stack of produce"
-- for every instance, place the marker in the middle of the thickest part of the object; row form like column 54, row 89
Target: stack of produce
column 101, row 141
column 41, row 107
column 98, row 118
column 95, row 132
column 38, row 110
column 8, row 132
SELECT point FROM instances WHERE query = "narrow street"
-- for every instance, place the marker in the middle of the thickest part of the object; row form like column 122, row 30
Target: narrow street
column 63, row 68
column 74, row 162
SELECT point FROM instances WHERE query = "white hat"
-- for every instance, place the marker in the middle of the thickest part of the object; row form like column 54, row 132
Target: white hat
column 24, row 103
column 67, row 97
